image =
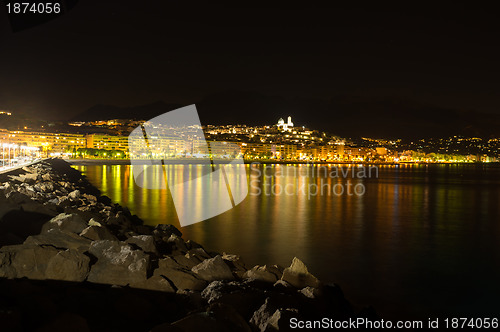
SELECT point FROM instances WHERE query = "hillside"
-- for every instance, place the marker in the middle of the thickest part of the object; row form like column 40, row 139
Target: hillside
column 346, row 116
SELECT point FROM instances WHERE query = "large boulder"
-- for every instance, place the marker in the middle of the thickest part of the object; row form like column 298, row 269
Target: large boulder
column 298, row 276
column 165, row 230
column 187, row 261
column 200, row 253
column 36, row 207
column 28, row 261
column 181, row 278
column 97, row 233
column 244, row 296
column 59, row 239
column 264, row 273
column 213, row 269
column 66, row 222
column 68, row 265
column 118, row 219
column 117, row 263
column 177, row 244
column 272, row 316
column 145, row 242
column 234, row 261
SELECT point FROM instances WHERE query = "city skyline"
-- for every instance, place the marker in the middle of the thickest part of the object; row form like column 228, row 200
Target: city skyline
column 282, row 140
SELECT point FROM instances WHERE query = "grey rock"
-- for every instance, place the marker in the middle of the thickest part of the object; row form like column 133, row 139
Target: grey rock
column 16, row 178
column 282, row 286
column 68, row 265
column 181, row 278
column 177, row 243
column 53, row 201
column 145, row 242
column 27, row 178
column 119, row 219
column 64, row 201
column 270, row 317
column 165, row 230
column 74, row 195
column 93, row 222
column 66, row 222
column 59, row 239
column 298, row 276
column 193, row 245
column 117, row 263
column 213, row 291
column 97, row 233
column 29, row 169
column 37, row 207
column 28, row 191
column 309, row 292
column 187, row 261
column 244, row 296
column 44, row 187
column 213, row 269
column 170, row 262
column 199, row 253
column 263, row 273
column 28, row 261
column 90, row 198
column 236, row 264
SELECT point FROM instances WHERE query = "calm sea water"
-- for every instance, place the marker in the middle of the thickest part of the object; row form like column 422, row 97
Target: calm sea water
column 422, row 241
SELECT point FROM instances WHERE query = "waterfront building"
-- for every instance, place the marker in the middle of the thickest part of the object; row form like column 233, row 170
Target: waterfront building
column 47, row 142
column 107, row 142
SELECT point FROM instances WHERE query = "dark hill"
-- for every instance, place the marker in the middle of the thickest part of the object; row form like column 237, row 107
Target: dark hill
column 108, row 112
column 346, row 116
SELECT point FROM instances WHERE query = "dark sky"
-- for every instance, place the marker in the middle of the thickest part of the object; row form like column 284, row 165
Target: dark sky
column 128, row 53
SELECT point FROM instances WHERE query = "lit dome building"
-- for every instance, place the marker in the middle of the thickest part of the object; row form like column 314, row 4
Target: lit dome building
column 285, row 126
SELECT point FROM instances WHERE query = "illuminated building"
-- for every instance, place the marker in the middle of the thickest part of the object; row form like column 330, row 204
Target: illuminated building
column 107, row 142
column 381, row 151
column 285, row 126
column 53, row 142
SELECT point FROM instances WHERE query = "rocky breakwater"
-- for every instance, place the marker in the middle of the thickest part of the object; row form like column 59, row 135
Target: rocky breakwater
column 55, row 226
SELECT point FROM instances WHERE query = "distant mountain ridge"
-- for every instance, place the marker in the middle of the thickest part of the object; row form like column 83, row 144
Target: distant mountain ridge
column 346, row 116
column 108, row 112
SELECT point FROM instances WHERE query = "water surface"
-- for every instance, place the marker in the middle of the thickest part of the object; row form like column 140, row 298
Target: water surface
column 421, row 242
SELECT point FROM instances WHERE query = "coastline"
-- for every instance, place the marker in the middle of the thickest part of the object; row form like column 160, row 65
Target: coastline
column 99, row 162
column 80, row 238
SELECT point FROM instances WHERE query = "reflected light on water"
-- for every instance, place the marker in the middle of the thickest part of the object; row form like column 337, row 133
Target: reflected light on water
column 406, row 246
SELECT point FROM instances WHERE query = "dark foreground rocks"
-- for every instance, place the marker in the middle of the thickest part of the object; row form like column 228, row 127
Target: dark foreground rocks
column 83, row 263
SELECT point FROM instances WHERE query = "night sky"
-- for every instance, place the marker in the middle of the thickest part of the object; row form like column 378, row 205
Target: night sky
column 128, row 53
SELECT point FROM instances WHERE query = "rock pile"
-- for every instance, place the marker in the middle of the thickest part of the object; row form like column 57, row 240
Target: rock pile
column 81, row 236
